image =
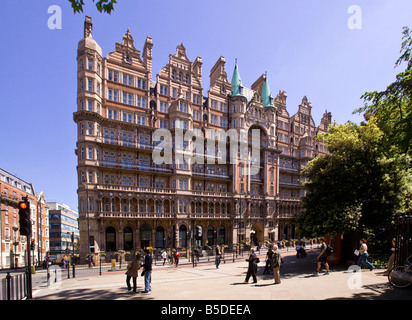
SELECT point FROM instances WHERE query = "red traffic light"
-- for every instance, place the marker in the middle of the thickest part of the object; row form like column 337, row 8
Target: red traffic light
column 23, row 205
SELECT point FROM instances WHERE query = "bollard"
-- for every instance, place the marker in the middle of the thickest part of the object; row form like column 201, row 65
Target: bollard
column 113, row 264
column 8, row 278
column 74, row 270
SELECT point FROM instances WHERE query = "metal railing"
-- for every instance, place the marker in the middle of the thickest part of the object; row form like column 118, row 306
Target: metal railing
column 14, row 287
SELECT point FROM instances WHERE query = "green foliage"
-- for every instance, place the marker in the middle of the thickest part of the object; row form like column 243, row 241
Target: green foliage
column 106, row 6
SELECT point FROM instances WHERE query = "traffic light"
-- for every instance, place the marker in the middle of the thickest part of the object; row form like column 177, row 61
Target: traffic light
column 32, row 244
column 24, row 218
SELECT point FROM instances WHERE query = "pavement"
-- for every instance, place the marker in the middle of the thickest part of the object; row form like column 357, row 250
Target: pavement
column 206, row 282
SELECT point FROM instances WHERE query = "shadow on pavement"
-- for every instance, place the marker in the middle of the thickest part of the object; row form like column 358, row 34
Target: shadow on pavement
column 88, row 294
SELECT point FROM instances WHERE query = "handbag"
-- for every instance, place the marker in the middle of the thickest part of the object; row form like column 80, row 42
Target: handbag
column 142, row 273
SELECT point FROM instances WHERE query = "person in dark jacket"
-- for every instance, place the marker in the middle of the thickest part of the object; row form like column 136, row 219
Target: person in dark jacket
column 252, row 267
column 147, row 267
column 132, row 272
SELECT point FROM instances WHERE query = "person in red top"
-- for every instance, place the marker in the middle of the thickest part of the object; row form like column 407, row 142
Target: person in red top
column 177, row 257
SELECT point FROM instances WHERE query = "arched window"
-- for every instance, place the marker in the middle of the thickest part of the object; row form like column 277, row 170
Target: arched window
column 221, row 237
column 210, row 236
column 182, row 236
column 128, row 238
column 160, row 237
column 110, row 239
column 145, row 235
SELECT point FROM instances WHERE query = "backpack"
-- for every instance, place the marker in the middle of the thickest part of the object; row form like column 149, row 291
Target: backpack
column 328, row 250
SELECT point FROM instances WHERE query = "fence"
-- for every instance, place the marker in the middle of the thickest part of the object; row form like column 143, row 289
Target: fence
column 14, row 287
column 403, row 237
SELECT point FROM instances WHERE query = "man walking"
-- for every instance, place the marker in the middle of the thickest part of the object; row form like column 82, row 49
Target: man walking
column 252, row 267
column 147, row 272
column 322, row 257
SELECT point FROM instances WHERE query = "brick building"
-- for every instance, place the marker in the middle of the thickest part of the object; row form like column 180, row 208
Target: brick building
column 127, row 200
column 13, row 248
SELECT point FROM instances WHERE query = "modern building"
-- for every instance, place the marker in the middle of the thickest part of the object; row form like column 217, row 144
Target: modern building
column 128, row 199
column 64, row 230
column 13, row 248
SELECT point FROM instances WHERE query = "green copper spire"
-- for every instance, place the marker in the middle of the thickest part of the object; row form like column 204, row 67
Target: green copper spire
column 267, row 99
column 236, row 82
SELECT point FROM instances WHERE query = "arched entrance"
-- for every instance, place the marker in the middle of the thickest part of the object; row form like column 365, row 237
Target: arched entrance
column 256, row 234
column 160, row 237
column 110, row 239
column 145, row 235
column 128, row 238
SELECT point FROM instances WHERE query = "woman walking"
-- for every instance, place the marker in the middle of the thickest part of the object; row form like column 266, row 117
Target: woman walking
column 363, row 255
column 132, row 272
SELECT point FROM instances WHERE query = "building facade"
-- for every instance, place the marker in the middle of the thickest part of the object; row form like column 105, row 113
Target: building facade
column 130, row 200
column 13, row 247
column 64, row 230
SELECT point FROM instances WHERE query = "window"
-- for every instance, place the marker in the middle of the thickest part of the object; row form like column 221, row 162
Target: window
column 113, row 75
column 163, row 90
column 163, row 124
column 183, row 184
column 128, row 98
column 89, row 153
column 182, row 206
column 89, row 105
column 109, row 159
column 127, row 117
column 183, row 106
column 90, row 86
column 141, row 120
column 112, row 114
column 90, row 129
column 163, row 107
column 127, row 161
column 109, row 137
column 113, row 95
column 141, row 102
column 141, row 84
column 128, row 79
column 90, row 65
column 127, row 139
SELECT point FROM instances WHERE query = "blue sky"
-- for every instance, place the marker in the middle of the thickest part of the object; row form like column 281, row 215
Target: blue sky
column 305, row 46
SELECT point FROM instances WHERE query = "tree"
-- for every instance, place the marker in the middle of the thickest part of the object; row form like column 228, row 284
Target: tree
column 106, row 6
column 354, row 185
column 392, row 108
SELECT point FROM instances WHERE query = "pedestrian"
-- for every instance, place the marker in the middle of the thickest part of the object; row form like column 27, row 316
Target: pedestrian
column 147, row 272
column 218, row 257
column 177, row 257
column 392, row 257
column 132, row 272
column 252, row 266
column 276, row 264
column 363, row 255
column 164, row 256
column 322, row 257
column 269, row 256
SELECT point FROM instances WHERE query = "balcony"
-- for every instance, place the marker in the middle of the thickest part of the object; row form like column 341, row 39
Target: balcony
column 133, row 167
column 119, row 188
column 211, row 175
